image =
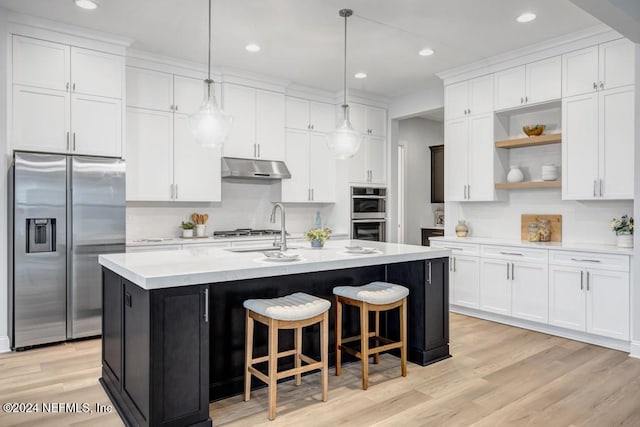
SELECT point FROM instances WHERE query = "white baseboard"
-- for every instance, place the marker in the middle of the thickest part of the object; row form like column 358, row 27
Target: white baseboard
column 635, row 349
column 615, row 344
column 5, row 344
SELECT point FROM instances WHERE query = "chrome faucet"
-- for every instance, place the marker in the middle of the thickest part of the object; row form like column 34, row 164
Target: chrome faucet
column 283, row 232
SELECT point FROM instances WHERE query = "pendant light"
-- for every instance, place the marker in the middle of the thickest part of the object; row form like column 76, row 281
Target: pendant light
column 345, row 141
column 210, row 125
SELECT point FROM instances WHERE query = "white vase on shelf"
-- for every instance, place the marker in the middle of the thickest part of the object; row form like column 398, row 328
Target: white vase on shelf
column 515, row 174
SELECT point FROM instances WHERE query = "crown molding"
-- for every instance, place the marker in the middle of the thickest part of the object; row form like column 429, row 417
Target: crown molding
column 31, row 26
column 362, row 97
column 156, row 62
column 557, row 46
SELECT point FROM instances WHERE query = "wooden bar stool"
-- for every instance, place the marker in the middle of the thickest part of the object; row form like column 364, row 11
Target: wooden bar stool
column 294, row 311
column 376, row 297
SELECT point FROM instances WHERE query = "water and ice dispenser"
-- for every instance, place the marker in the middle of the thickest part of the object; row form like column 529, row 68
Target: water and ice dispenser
column 41, row 235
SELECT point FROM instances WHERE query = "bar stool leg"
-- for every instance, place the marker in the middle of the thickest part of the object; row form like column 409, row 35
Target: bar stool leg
column 298, row 334
column 338, row 327
column 364, row 343
column 273, row 367
column 403, row 337
column 376, row 357
column 324, row 354
column 248, row 356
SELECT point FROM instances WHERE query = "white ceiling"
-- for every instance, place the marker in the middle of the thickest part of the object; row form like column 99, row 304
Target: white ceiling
column 302, row 39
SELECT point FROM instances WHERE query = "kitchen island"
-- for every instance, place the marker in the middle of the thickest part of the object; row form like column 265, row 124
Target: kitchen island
column 173, row 322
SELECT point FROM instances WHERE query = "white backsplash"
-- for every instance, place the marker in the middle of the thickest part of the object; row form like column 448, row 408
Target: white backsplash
column 244, row 204
column 582, row 221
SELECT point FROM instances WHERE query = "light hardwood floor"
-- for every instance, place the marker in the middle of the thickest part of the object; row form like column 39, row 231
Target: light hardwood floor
column 499, row 375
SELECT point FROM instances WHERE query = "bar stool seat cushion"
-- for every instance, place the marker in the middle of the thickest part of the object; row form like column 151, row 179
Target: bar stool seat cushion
column 298, row 306
column 373, row 293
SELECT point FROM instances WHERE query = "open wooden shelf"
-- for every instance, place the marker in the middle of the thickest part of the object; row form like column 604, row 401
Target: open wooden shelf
column 530, row 141
column 527, row 184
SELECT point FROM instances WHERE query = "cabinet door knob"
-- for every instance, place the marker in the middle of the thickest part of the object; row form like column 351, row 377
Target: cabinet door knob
column 601, row 85
column 67, row 140
column 594, row 187
column 74, row 141
column 526, row 99
column 507, row 271
column 74, row 87
column 581, row 280
column 521, row 100
column 206, row 305
column 176, row 108
column 68, row 86
column 595, row 85
column 429, row 278
column 469, row 111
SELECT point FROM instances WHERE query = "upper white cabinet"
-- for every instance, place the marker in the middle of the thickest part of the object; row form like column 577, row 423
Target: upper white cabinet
column 164, row 162
column 66, row 99
column 532, row 83
column 368, row 165
column 606, row 66
column 96, row 73
column 469, row 97
column 312, row 167
column 258, row 122
column 470, row 158
column 310, row 115
column 597, row 127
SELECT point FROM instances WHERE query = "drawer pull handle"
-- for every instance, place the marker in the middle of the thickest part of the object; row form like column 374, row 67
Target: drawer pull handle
column 511, row 253
column 585, row 260
column 453, row 249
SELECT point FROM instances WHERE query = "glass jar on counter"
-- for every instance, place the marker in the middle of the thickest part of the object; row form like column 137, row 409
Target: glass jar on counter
column 532, row 232
column 544, row 230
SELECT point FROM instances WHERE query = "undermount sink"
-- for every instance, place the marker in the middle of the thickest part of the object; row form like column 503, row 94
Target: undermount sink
column 259, row 248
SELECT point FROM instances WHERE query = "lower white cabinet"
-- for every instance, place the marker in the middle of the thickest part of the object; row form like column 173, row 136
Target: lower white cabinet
column 312, row 167
column 495, row 286
column 464, row 283
column 529, row 291
column 589, row 300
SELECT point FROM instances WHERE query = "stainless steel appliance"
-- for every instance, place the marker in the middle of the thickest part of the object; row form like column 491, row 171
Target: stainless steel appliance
column 369, row 213
column 66, row 211
column 233, row 167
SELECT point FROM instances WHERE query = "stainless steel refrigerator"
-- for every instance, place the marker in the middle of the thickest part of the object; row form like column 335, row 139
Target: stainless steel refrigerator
column 65, row 211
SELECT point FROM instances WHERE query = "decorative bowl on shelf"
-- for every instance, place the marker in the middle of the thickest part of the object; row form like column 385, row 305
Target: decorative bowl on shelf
column 535, row 130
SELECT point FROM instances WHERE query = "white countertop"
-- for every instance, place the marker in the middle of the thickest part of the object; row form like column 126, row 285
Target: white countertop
column 166, row 269
column 160, row 241
column 581, row 247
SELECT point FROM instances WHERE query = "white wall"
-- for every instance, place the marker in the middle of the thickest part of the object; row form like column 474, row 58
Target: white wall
column 4, row 332
column 244, row 204
column 417, row 135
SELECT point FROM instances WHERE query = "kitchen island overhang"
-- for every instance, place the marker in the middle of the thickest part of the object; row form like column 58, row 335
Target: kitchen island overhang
column 174, row 323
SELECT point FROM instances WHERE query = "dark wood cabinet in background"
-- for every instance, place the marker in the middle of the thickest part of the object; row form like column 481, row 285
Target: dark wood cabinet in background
column 430, row 232
column 437, row 173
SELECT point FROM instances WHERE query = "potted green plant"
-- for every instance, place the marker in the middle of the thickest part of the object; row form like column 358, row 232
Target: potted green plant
column 318, row 236
column 623, row 228
column 187, row 229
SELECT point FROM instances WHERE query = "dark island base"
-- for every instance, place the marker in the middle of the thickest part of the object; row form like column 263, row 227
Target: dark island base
column 168, row 352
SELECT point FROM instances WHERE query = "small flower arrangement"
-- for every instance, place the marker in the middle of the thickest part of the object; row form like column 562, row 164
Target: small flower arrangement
column 187, row 225
column 623, row 225
column 320, row 234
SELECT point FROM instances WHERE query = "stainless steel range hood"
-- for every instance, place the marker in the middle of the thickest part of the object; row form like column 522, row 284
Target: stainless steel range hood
column 233, row 167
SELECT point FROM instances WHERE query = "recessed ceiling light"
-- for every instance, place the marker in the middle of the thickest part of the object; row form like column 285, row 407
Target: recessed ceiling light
column 360, row 75
column 426, row 52
column 526, row 17
column 252, row 47
column 86, row 4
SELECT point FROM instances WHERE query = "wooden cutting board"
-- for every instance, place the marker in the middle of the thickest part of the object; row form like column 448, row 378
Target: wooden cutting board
column 554, row 220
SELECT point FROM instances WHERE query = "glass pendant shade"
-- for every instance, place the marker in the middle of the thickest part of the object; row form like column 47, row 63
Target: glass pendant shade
column 210, row 125
column 345, row 140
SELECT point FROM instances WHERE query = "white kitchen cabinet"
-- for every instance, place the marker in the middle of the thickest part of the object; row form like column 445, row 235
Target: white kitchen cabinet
column 96, row 73
column 188, row 94
column 42, row 64
column 473, row 96
column 357, row 116
column 606, row 66
column 269, row 126
column 304, row 114
column 608, row 303
column 96, row 125
column 470, row 159
column 41, row 119
column 464, row 274
column 368, row 165
column 597, row 127
column 149, row 154
column 149, row 89
column 366, row 120
column 590, row 293
column 533, row 83
column 312, row 168
column 530, row 291
column 258, row 123
column 62, row 94
column 495, row 286
column 196, row 168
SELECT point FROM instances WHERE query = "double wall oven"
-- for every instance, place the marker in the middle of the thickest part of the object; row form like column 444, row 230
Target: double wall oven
column 369, row 213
